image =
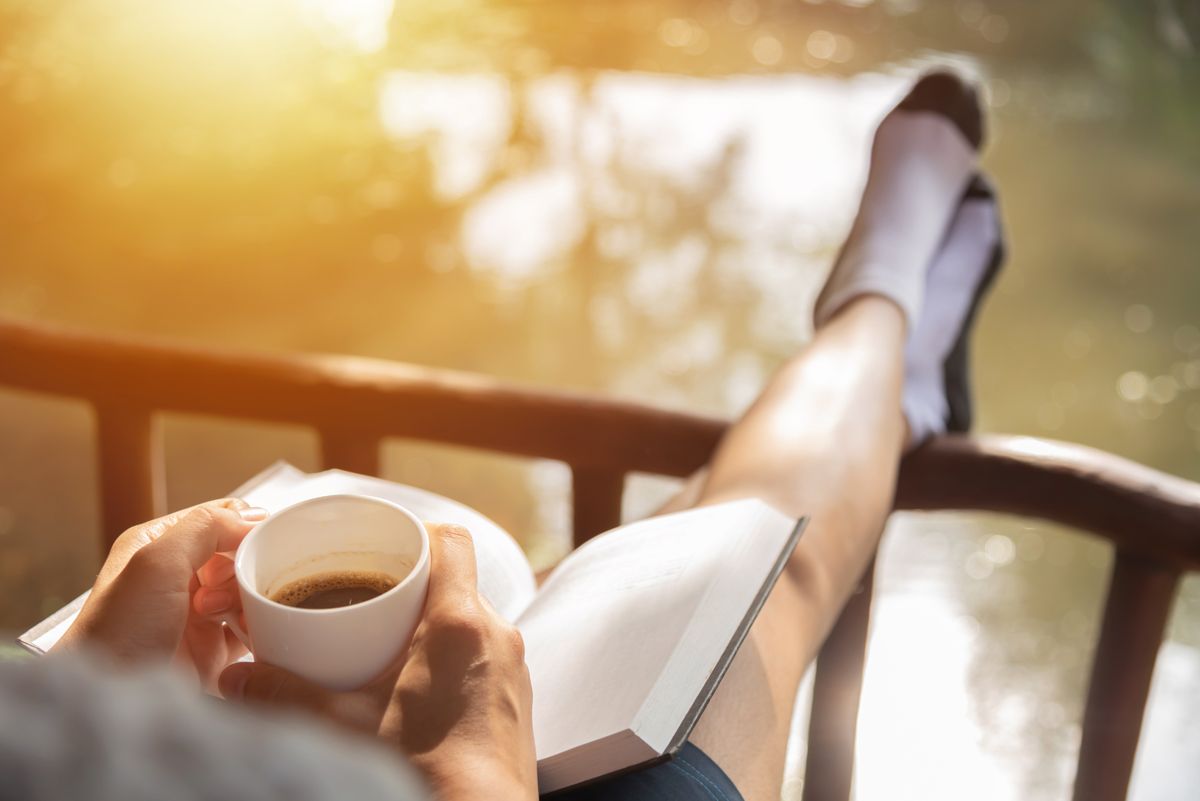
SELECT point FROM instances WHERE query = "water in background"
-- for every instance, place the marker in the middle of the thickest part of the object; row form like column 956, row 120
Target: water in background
column 639, row 199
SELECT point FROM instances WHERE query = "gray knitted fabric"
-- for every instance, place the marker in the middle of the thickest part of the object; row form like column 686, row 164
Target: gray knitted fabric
column 72, row 728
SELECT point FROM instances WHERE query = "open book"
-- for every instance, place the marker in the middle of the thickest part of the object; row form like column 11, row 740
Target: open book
column 627, row 638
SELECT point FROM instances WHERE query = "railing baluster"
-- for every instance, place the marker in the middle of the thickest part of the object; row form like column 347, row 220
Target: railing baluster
column 351, row 450
column 130, row 470
column 837, row 689
column 1135, row 616
column 596, row 495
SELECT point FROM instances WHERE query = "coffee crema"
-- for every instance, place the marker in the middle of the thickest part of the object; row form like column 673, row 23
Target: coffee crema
column 334, row 589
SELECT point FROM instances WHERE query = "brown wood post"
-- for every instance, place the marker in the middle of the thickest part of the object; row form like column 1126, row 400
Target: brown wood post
column 1135, row 616
column 837, row 689
column 596, row 507
column 351, row 450
column 129, row 464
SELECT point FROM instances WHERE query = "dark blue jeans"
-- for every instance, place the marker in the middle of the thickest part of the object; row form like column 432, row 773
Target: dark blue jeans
column 690, row 776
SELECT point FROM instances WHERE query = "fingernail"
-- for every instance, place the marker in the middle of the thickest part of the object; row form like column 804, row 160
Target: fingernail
column 253, row 514
column 214, row 601
column 232, row 683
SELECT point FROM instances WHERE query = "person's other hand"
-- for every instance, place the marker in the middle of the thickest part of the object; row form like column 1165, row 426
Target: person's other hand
column 162, row 587
column 458, row 704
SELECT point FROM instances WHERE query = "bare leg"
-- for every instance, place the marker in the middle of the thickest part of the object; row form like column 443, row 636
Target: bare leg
column 824, row 439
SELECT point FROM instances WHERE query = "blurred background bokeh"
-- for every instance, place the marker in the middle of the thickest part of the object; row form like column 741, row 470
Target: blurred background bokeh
column 639, row 199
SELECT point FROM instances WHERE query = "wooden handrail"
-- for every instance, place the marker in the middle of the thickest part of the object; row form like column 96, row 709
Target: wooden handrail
column 354, row 403
column 1145, row 511
column 388, row 399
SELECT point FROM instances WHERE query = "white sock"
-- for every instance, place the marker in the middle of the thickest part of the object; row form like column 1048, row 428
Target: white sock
column 920, row 164
column 952, row 286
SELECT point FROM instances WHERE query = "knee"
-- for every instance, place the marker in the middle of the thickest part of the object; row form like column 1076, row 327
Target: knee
column 808, row 581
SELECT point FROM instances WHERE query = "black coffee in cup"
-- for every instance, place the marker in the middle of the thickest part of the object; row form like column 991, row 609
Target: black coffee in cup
column 334, row 589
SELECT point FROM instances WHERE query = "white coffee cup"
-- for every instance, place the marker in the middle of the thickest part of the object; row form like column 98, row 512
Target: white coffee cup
column 345, row 647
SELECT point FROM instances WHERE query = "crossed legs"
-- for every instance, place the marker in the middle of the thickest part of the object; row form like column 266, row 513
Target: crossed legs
column 886, row 369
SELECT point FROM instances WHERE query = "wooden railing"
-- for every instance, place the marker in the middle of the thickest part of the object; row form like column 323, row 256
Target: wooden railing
column 1152, row 519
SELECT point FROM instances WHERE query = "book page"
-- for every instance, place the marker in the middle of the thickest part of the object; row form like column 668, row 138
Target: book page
column 628, row 629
